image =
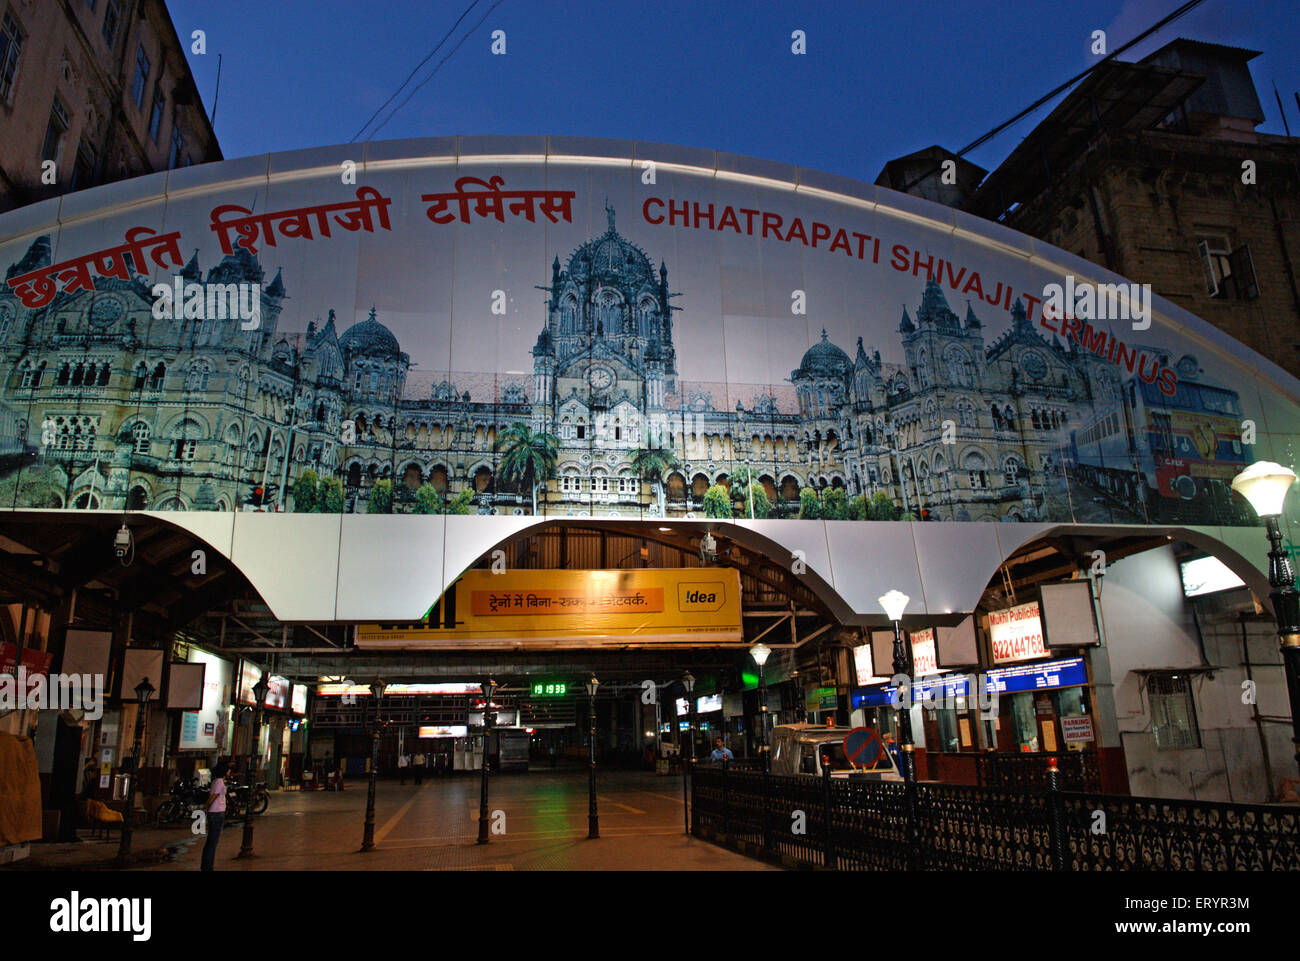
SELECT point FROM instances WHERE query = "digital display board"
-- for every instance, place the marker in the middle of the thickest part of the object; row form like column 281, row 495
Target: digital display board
column 550, row 689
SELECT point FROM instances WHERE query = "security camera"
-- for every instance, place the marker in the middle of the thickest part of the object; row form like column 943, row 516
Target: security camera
column 122, row 542
column 708, row 549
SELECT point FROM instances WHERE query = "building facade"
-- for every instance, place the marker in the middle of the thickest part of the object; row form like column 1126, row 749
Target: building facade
column 92, row 92
column 108, row 406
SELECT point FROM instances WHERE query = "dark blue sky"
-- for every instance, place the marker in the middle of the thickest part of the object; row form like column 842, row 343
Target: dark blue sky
column 878, row 81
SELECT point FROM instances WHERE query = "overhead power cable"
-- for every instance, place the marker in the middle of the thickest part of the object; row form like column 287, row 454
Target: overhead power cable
column 414, row 70
column 981, row 140
column 417, row 87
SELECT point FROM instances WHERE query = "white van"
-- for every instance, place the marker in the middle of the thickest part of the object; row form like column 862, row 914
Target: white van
column 801, row 748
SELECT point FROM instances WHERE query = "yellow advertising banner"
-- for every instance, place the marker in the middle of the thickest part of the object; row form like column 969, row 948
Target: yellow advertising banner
column 677, row 607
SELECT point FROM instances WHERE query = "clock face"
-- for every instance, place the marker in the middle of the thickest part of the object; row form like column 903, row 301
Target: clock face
column 1034, row 365
column 600, row 378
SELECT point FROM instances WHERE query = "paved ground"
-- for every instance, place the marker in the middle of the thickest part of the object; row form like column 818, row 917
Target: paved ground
column 433, row 827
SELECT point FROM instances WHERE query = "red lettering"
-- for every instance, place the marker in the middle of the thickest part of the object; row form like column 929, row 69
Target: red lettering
column 772, row 222
column 796, row 225
column 862, row 240
column 841, row 240
column 729, row 218
column 709, row 210
column 645, row 210
column 749, row 219
column 974, row 284
column 954, row 282
column 820, row 232
column 1168, row 382
column 929, row 265
column 673, row 213
column 899, row 260
column 1033, row 302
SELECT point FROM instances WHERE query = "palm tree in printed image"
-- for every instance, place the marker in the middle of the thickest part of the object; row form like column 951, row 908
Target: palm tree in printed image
column 527, row 456
column 652, row 463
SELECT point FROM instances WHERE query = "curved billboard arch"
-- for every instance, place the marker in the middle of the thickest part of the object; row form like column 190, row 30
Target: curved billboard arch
column 541, row 327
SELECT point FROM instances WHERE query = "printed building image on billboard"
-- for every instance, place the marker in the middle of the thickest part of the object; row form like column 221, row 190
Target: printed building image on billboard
column 566, row 341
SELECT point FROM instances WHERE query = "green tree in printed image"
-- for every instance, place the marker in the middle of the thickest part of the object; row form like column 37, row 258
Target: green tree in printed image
column 859, row 509
column 306, row 492
column 882, row 508
column 810, row 508
column 463, row 503
column 330, row 496
column 835, row 504
column 747, row 493
column 381, row 498
column 428, row 500
column 717, row 502
column 32, row 486
column 652, row 463
column 527, row 456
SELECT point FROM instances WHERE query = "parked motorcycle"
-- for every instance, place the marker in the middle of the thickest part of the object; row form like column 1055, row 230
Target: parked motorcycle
column 238, row 800
column 186, row 796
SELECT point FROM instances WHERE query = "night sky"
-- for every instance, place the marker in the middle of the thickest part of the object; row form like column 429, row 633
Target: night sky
column 877, row 81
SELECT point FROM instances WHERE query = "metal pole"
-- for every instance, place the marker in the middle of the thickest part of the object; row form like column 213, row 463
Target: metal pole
column 686, row 798
column 1286, row 608
column 124, row 845
column 246, row 843
column 762, row 717
column 593, row 816
column 483, row 795
column 903, row 665
column 690, row 731
column 368, row 839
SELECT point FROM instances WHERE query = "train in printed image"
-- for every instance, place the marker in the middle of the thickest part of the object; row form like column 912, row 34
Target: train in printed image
column 1155, row 454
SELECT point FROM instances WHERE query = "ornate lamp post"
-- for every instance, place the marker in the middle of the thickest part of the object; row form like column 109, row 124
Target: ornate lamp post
column 688, row 682
column 143, row 691
column 593, row 816
column 377, row 688
column 488, row 716
column 894, row 603
column 760, row 653
column 254, row 736
column 1265, row 484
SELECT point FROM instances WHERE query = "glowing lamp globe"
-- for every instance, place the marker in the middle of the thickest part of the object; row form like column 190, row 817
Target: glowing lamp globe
column 1264, row 484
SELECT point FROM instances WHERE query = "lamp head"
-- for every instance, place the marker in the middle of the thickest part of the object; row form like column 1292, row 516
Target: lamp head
column 592, row 684
column 377, row 687
column 894, row 603
column 260, row 688
column 1264, row 484
column 144, row 690
column 688, row 681
column 760, row 652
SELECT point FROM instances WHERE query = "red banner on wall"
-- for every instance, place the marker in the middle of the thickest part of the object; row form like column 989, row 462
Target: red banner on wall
column 36, row 662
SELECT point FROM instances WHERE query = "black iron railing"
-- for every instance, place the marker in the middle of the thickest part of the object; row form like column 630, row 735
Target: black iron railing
column 879, row 825
column 1028, row 772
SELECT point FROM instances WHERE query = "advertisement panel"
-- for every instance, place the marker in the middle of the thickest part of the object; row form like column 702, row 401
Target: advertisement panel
column 207, row 728
column 277, row 692
column 305, row 344
column 583, row 608
column 1016, row 634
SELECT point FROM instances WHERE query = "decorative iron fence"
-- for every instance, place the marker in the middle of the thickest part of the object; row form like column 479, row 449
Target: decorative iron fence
column 1028, row 771
column 882, row 825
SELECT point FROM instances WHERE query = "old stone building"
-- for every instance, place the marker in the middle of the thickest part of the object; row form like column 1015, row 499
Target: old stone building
column 92, row 92
column 1155, row 170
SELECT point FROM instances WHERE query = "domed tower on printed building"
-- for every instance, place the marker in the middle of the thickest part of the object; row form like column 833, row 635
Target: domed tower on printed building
column 822, row 381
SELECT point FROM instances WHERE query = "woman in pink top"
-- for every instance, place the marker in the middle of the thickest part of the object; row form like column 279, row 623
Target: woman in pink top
column 216, row 813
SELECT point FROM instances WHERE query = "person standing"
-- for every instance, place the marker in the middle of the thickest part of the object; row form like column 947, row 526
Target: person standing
column 215, row 813
column 721, row 752
column 403, row 762
column 419, row 767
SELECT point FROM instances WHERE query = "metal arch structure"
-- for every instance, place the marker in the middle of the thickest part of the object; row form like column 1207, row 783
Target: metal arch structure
column 360, row 567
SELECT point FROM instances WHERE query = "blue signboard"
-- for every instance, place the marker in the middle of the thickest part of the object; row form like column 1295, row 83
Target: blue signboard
column 1000, row 680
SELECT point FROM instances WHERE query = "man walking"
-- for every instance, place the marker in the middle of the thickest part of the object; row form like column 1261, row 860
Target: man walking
column 403, row 762
column 215, row 809
column 419, row 767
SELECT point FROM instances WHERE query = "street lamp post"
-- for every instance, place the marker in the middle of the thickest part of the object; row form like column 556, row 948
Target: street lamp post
column 377, row 688
column 593, row 816
column 488, row 688
column 1265, row 485
column 894, row 603
column 143, row 691
column 688, row 755
column 760, row 652
column 254, row 735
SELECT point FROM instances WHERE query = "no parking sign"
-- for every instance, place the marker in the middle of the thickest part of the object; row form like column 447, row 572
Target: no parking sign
column 863, row 747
